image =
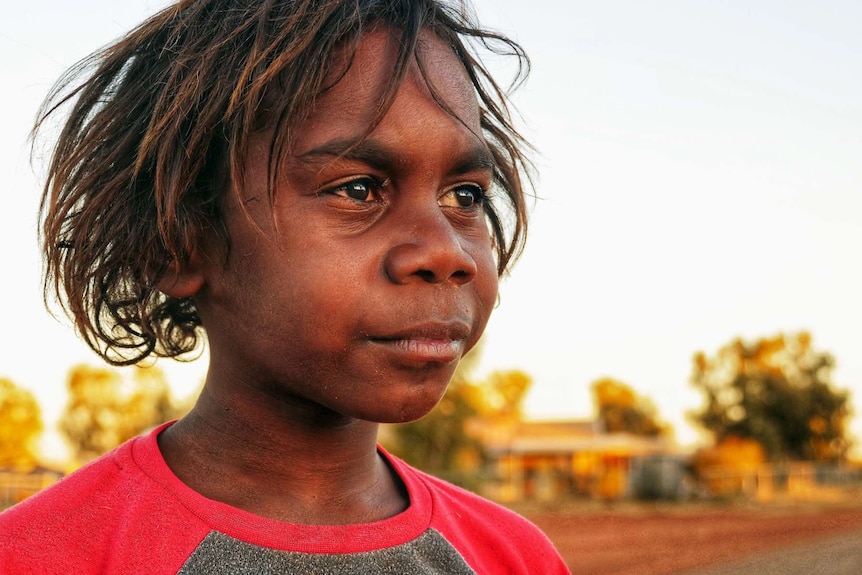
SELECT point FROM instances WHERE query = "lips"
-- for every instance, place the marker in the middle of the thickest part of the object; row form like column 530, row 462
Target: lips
column 432, row 342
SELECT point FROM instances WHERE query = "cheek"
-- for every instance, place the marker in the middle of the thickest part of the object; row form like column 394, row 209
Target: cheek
column 487, row 280
column 489, row 295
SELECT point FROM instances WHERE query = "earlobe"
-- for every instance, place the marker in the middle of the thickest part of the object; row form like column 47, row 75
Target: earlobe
column 181, row 281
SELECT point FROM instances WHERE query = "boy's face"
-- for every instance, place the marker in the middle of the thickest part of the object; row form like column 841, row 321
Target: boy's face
column 376, row 273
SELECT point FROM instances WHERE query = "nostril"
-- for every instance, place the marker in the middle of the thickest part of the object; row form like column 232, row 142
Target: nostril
column 427, row 275
column 431, row 277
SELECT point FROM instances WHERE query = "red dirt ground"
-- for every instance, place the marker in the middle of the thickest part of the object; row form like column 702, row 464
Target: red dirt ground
column 644, row 540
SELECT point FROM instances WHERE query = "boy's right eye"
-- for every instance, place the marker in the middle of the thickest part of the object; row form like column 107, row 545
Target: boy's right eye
column 360, row 189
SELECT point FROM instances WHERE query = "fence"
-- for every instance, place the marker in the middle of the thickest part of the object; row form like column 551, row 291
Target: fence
column 16, row 486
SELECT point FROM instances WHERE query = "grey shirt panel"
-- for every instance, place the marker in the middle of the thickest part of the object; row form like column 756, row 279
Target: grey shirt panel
column 430, row 553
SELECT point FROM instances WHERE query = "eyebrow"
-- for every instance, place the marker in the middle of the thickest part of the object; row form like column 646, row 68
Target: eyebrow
column 376, row 155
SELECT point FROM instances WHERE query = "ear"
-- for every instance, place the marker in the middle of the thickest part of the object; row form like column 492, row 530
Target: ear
column 182, row 281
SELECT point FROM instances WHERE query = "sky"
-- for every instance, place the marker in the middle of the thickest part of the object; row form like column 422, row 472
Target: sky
column 699, row 178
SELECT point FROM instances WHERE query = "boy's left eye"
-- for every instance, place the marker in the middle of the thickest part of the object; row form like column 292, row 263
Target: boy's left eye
column 464, row 196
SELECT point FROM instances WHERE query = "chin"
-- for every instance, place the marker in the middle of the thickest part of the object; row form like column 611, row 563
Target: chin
column 411, row 407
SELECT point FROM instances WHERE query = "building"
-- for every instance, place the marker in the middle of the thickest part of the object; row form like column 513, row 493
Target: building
column 546, row 460
column 15, row 485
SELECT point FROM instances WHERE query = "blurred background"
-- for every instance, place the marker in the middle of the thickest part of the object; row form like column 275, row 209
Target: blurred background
column 684, row 324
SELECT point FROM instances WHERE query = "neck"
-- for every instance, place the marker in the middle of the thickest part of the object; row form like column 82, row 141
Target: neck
column 289, row 460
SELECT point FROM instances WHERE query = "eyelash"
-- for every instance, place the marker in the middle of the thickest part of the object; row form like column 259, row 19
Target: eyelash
column 480, row 196
column 374, row 185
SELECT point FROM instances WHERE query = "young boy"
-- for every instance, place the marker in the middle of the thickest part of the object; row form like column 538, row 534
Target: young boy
column 310, row 181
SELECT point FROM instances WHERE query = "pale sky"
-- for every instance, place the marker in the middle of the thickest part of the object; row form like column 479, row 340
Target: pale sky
column 700, row 175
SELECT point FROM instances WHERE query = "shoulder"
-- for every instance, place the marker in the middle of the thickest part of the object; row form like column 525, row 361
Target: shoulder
column 468, row 506
column 455, row 504
column 63, row 500
column 58, row 518
column 487, row 534
column 95, row 519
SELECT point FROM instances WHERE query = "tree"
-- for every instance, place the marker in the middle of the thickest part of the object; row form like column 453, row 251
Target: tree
column 777, row 391
column 440, row 442
column 500, row 396
column 20, row 426
column 446, row 442
column 104, row 410
column 620, row 409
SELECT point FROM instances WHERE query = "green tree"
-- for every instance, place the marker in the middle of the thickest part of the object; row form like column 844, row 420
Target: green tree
column 440, row 442
column 620, row 409
column 20, row 426
column 104, row 410
column 447, row 441
column 777, row 391
column 500, row 397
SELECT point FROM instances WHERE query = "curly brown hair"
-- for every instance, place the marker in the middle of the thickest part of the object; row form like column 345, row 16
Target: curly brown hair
column 160, row 121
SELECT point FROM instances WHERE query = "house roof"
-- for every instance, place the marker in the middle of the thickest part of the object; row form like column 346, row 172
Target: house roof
column 567, row 437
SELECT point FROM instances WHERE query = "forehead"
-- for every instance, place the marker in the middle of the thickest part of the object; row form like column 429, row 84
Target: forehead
column 362, row 76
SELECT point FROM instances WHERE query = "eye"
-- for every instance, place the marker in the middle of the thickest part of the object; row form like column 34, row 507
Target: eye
column 463, row 196
column 360, row 189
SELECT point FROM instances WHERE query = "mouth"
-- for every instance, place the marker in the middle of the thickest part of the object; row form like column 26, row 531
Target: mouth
column 428, row 343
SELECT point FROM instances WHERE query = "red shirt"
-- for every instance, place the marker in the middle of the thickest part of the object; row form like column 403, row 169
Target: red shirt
column 128, row 513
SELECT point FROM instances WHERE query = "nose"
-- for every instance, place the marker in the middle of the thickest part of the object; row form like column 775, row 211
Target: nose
column 429, row 249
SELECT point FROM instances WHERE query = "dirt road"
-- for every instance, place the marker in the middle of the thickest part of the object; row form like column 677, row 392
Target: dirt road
column 642, row 540
column 835, row 555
